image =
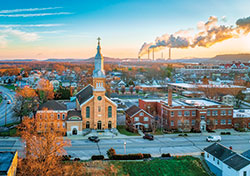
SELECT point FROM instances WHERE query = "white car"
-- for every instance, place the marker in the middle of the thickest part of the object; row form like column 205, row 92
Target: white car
column 213, row 138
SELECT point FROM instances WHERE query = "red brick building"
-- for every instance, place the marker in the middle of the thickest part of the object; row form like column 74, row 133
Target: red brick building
column 190, row 114
column 137, row 118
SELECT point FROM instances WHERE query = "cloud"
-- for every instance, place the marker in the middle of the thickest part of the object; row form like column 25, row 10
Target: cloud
column 25, row 36
column 244, row 24
column 28, row 10
column 36, row 14
column 30, row 25
column 3, row 41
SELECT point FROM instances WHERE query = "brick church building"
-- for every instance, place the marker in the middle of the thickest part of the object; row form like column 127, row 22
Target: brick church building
column 94, row 110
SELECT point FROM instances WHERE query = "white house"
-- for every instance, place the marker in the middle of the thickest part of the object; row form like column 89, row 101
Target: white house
column 222, row 161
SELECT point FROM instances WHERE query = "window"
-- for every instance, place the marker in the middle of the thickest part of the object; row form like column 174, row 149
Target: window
column 99, row 108
column 145, row 118
column 179, row 123
column 146, row 125
column 222, row 112
column 208, row 122
column 229, row 112
column 136, row 119
column 216, row 122
column 52, row 115
column 202, row 117
column 223, row 122
column 58, row 125
column 63, row 125
column 218, row 162
column 186, row 113
column 208, row 113
column 141, row 114
column 207, row 155
column 213, row 158
column 193, row 122
column 172, row 123
column 58, row 116
column 215, row 113
column 109, row 125
column 87, row 125
column 87, row 112
column 193, row 113
column 40, row 116
column 63, row 117
column 110, row 111
column 245, row 173
column 180, row 113
column 186, row 122
column 229, row 121
column 172, row 113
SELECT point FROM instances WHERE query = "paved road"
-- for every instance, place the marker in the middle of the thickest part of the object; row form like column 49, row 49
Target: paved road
column 84, row 149
column 4, row 106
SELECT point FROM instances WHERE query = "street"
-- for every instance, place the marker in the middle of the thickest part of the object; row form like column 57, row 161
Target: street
column 4, row 107
column 193, row 145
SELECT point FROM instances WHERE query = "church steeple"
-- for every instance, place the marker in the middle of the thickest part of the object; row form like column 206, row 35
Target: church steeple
column 99, row 69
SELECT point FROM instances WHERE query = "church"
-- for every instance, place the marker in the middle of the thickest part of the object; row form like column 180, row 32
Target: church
column 94, row 110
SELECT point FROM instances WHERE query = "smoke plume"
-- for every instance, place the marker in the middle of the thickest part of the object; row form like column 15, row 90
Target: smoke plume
column 209, row 33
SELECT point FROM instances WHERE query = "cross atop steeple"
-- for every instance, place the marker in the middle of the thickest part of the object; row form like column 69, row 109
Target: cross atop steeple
column 99, row 39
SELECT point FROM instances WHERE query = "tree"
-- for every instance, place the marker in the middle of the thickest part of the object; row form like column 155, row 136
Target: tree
column 44, row 146
column 117, row 90
column 62, row 93
column 137, row 89
column 45, row 90
column 123, row 89
column 26, row 103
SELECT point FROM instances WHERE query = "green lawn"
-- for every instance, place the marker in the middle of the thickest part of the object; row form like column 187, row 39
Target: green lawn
column 183, row 166
column 157, row 132
column 10, row 87
column 122, row 130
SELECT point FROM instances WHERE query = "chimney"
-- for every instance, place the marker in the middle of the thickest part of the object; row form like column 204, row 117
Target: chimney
column 169, row 58
column 169, row 95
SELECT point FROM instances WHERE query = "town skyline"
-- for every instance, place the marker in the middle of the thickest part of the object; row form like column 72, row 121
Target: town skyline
column 64, row 29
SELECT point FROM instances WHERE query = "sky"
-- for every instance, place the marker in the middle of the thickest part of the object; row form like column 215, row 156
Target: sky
column 41, row 29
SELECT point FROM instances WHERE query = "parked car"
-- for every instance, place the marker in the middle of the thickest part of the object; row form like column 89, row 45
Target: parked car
column 94, row 138
column 5, row 97
column 8, row 102
column 213, row 138
column 148, row 136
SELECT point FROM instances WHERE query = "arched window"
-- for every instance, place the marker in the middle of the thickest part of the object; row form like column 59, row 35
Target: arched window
column 87, row 125
column 63, row 116
column 87, row 112
column 110, row 125
column 58, row 116
column 110, row 111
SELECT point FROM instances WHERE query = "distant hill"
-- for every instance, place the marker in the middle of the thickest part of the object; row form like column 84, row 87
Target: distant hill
column 231, row 57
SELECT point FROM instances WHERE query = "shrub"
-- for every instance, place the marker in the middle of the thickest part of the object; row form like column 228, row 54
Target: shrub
column 228, row 133
column 66, row 157
column 166, row 155
column 111, row 152
column 146, row 155
column 185, row 134
column 77, row 159
column 128, row 157
column 180, row 135
column 222, row 133
column 97, row 157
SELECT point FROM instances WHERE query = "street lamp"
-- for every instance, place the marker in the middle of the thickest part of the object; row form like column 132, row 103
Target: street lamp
column 125, row 147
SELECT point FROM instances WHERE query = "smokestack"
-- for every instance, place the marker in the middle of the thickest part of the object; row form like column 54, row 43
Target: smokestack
column 169, row 95
column 148, row 55
column 153, row 54
column 169, row 58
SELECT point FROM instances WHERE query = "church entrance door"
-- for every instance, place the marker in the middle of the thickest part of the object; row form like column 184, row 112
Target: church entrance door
column 99, row 125
column 74, row 132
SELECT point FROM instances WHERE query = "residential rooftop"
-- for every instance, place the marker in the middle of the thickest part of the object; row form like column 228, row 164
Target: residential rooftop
column 5, row 161
column 241, row 113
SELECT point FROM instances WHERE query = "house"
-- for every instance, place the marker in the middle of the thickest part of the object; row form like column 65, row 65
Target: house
column 137, row 118
column 241, row 119
column 222, row 161
column 8, row 163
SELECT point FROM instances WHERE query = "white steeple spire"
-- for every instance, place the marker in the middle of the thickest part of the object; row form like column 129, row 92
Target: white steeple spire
column 99, row 70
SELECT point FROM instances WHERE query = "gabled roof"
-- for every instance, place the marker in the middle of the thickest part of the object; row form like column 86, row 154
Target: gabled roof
column 246, row 154
column 84, row 94
column 53, row 105
column 132, row 110
column 6, row 159
column 74, row 115
column 237, row 162
column 219, row 151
